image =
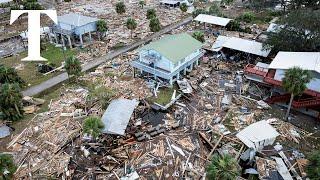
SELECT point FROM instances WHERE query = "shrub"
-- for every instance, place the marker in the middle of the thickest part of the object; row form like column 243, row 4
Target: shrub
column 120, row 8
column 313, row 167
column 93, row 126
column 199, row 36
column 196, row 12
column 247, row 17
column 233, row 25
column 11, row 102
column 9, row 75
column 7, row 166
column 223, row 168
column 183, row 7
column 73, row 66
column 155, row 25
column 151, row 13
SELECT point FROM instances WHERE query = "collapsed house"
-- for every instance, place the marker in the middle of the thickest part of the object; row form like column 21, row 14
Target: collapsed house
column 169, row 57
column 117, row 116
column 238, row 44
column 258, row 135
column 72, row 28
column 213, row 20
column 272, row 74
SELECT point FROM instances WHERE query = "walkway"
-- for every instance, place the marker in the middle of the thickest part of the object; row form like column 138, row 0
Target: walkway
column 64, row 76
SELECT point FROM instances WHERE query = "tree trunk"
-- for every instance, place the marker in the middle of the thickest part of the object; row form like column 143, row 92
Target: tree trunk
column 289, row 107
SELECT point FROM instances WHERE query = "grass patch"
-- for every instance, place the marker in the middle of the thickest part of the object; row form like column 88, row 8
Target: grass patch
column 29, row 72
column 163, row 96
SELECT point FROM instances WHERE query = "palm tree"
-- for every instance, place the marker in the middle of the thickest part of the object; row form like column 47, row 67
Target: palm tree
column 73, row 66
column 131, row 24
column 155, row 25
column 183, row 7
column 93, row 126
column 120, row 8
column 151, row 13
column 11, row 102
column 101, row 27
column 223, row 168
column 295, row 82
column 198, row 36
column 142, row 3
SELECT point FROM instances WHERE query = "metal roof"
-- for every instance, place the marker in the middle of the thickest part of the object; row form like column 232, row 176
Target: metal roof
column 117, row 116
column 257, row 132
column 174, row 47
column 305, row 60
column 76, row 19
column 212, row 19
column 218, row 44
column 248, row 46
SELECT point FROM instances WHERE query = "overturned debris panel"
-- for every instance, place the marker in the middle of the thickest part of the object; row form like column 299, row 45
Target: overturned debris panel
column 117, row 115
column 258, row 135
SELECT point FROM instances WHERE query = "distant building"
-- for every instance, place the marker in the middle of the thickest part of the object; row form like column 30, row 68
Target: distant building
column 72, row 28
column 169, row 57
column 272, row 74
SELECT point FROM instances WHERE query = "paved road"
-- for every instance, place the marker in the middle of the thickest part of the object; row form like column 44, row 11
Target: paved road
column 64, row 76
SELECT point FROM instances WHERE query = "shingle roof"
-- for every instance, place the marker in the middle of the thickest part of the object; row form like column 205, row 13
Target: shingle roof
column 76, row 19
column 174, row 47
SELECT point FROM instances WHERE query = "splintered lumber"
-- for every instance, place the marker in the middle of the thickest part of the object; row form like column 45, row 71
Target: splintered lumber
column 205, row 138
column 288, row 163
column 215, row 146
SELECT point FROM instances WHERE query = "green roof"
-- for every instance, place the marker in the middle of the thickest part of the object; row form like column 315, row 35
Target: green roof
column 174, row 47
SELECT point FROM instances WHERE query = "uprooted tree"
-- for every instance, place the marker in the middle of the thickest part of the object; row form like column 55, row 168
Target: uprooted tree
column 299, row 31
column 11, row 102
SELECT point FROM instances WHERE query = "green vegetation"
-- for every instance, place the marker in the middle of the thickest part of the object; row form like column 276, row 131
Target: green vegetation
column 9, row 75
column 11, row 102
column 142, row 3
column 247, row 17
column 313, row 167
column 7, row 167
column 305, row 36
column 199, row 36
column 93, row 126
column 102, row 28
column 183, row 7
column 120, row 8
column 151, row 13
column 31, row 5
column 196, row 12
column 227, row 2
column 131, row 24
column 29, row 71
column 295, row 82
column 101, row 94
column 215, row 10
column 223, row 168
column 163, row 96
column 234, row 25
column 73, row 66
column 155, row 25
